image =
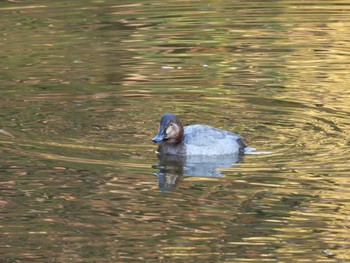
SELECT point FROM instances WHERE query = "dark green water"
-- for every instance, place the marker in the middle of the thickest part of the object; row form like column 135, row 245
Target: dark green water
column 83, row 85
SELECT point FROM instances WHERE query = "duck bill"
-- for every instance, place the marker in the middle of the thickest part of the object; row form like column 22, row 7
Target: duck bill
column 160, row 136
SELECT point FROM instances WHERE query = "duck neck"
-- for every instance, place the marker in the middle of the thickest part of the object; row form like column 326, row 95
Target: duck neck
column 179, row 137
column 174, row 147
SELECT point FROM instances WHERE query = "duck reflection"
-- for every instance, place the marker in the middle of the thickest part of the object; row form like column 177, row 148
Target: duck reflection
column 172, row 167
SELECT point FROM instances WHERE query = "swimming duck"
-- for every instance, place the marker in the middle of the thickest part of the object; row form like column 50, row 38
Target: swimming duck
column 196, row 139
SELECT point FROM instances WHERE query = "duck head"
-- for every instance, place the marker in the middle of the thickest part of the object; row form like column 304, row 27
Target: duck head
column 170, row 129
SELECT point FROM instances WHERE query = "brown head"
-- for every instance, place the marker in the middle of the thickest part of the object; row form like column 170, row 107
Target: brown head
column 170, row 129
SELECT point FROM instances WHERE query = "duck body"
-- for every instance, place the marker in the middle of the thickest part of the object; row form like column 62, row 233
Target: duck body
column 174, row 139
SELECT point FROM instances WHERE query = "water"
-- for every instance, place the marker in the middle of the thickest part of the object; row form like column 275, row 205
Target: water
column 83, row 86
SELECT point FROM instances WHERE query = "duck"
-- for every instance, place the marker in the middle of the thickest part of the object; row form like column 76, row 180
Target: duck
column 175, row 139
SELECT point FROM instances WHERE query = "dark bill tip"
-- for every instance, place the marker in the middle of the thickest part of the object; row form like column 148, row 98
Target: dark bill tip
column 158, row 138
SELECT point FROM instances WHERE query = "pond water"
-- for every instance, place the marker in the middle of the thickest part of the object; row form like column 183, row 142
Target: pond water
column 83, row 85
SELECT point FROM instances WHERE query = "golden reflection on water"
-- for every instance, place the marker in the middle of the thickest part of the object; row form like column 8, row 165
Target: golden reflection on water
column 82, row 91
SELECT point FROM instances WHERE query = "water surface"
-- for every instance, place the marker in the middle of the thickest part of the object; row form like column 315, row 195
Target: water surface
column 83, row 86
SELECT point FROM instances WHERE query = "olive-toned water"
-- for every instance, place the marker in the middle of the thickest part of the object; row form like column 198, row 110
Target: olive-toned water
column 83, row 85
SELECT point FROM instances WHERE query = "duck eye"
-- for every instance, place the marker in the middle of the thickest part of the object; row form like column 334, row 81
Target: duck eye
column 170, row 125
